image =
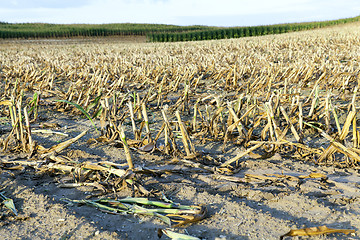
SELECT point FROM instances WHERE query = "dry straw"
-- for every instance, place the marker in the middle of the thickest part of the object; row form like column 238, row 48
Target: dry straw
column 264, row 96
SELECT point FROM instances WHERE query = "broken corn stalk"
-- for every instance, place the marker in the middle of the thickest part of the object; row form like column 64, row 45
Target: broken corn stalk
column 315, row 231
column 167, row 212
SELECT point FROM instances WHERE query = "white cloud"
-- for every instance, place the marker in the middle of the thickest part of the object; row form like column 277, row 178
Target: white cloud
column 20, row 4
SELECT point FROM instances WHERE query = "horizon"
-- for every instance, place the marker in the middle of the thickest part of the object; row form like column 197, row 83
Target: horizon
column 230, row 13
column 280, row 23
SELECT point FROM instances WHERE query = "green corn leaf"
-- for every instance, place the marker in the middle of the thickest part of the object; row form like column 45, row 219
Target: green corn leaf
column 114, row 203
column 9, row 203
column 95, row 204
column 146, row 201
column 94, row 103
column 150, row 212
column 81, row 109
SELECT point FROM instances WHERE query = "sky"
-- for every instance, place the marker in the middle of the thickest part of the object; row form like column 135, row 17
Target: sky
column 178, row 12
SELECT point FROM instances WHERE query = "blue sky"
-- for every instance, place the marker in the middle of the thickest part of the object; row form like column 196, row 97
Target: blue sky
column 179, row 12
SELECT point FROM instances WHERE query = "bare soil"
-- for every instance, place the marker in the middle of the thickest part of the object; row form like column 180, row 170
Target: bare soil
column 253, row 209
column 264, row 199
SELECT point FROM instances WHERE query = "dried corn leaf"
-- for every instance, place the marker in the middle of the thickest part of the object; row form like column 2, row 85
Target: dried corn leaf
column 49, row 125
column 229, row 178
column 240, row 155
column 148, row 147
column 101, row 139
column 198, row 215
column 314, row 175
column 17, row 167
column 61, row 146
column 47, row 131
column 60, row 167
column 94, row 166
column 289, row 177
column 315, row 231
column 74, row 185
column 6, row 103
column 253, row 177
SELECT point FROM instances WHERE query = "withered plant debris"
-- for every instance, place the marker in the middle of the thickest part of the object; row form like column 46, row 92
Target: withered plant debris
column 312, row 231
column 254, row 99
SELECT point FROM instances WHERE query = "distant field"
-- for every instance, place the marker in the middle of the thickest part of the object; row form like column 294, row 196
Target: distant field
column 154, row 32
column 237, row 32
column 44, row 30
column 76, row 40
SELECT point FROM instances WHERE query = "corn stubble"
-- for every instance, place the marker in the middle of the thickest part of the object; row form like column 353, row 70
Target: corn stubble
column 294, row 94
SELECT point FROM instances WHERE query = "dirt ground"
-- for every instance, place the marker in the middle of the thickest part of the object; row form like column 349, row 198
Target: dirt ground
column 253, row 209
column 264, row 199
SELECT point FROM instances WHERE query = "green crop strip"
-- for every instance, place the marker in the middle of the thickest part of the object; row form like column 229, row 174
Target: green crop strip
column 155, row 32
column 43, row 30
column 237, row 32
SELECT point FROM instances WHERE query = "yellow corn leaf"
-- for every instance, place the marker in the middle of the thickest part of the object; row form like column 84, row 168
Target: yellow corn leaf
column 6, row 103
column 289, row 177
column 314, row 175
column 254, row 177
column 315, row 231
column 117, row 172
column 240, row 155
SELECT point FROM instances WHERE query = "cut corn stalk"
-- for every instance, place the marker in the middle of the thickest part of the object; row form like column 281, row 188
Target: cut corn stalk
column 344, row 132
column 347, row 151
column 61, row 146
column 185, row 138
column 293, row 130
column 354, row 130
column 145, row 116
column 126, row 148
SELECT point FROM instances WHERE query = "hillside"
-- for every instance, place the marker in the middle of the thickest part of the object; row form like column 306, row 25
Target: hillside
column 154, row 32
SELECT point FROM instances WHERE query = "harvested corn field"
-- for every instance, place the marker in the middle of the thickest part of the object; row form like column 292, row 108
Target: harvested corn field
column 253, row 138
